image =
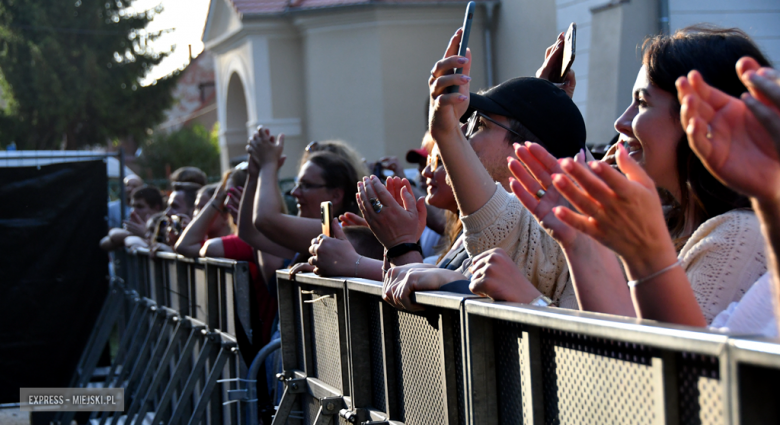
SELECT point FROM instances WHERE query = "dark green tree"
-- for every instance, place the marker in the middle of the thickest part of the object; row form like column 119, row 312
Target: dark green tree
column 70, row 70
column 165, row 152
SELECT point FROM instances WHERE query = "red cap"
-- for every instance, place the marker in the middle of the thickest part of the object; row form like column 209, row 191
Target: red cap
column 415, row 156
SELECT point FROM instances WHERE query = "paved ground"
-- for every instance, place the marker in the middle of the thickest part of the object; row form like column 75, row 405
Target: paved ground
column 14, row 417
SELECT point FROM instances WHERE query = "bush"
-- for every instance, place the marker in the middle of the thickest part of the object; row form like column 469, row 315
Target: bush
column 165, row 152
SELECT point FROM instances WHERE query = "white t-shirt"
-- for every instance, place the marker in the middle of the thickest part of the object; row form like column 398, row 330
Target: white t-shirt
column 754, row 314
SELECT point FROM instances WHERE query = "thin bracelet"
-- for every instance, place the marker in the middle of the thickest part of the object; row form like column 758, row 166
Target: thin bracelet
column 634, row 283
column 357, row 263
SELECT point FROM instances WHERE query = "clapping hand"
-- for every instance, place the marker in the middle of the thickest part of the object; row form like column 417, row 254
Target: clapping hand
column 728, row 137
column 391, row 212
column 535, row 179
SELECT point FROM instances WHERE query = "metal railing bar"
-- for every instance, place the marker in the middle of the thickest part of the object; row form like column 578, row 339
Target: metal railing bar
column 440, row 299
column 637, row 331
column 365, row 286
column 311, row 278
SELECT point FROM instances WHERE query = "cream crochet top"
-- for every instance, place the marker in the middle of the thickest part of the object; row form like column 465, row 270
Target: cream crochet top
column 503, row 222
column 723, row 258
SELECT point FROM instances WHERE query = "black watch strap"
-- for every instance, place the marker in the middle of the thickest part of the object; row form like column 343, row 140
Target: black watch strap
column 402, row 249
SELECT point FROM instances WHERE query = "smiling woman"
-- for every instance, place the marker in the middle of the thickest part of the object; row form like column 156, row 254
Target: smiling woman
column 707, row 250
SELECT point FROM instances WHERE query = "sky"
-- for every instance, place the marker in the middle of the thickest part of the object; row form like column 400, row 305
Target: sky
column 187, row 18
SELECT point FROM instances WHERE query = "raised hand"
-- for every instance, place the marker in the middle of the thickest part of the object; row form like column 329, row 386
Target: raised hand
column 728, row 138
column 622, row 212
column 265, row 148
column 392, row 223
column 135, row 225
column 535, row 179
column 447, row 108
column 553, row 57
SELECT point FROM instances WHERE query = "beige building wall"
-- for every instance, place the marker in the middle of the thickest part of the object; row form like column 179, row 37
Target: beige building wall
column 355, row 74
column 523, row 31
column 759, row 18
column 367, row 73
column 616, row 62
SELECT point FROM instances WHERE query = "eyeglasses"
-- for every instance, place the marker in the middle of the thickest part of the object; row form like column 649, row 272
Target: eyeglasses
column 305, row 186
column 474, row 121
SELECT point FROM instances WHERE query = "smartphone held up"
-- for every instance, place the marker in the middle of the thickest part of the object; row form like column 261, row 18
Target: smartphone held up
column 567, row 57
column 326, row 216
column 464, row 39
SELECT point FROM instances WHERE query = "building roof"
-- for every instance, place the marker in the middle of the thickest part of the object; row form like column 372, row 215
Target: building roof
column 263, row 7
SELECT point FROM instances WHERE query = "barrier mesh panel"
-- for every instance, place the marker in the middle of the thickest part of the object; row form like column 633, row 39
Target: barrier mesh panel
column 377, row 359
column 597, row 381
column 326, row 349
column 700, row 392
column 419, row 371
column 459, row 387
column 507, row 337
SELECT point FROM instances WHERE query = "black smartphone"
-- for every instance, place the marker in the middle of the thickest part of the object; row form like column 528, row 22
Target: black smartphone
column 569, row 51
column 377, row 171
column 326, row 216
column 464, row 40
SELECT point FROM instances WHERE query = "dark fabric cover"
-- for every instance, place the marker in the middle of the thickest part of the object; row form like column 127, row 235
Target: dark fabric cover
column 53, row 275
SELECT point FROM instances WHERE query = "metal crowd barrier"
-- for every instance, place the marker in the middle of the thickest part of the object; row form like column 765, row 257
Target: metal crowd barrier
column 177, row 357
column 348, row 357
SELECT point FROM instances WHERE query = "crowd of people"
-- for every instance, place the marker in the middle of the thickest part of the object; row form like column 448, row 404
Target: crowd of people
column 678, row 222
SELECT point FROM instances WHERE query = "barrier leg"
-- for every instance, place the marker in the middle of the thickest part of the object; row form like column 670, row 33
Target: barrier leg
column 161, row 349
column 178, row 372
column 195, row 375
column 216, row 370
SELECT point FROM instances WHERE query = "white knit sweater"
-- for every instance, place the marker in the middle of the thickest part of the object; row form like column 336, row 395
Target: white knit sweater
column 723, row 258
column 503, row 222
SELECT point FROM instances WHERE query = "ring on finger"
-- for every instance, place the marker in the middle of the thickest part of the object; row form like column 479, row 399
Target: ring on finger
column 709, row 132
column 540, row 193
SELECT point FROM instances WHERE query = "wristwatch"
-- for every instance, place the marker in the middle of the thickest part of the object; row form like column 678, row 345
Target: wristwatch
column 541, row 301
column 402, row 249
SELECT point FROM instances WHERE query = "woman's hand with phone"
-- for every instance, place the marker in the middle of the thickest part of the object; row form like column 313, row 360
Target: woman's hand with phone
column 553, row 58
column 447, row 108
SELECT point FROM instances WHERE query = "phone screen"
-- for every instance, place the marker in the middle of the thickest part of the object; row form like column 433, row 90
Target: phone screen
column 326, row 216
